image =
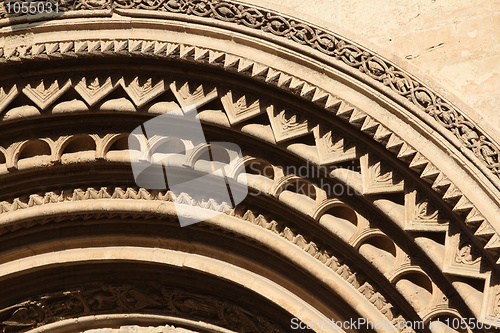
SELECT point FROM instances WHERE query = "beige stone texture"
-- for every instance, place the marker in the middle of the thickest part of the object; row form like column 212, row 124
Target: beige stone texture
column 454, row 42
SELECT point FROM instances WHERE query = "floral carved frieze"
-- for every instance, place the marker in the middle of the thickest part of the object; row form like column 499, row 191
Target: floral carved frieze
column 326, row 42
column 143, row 297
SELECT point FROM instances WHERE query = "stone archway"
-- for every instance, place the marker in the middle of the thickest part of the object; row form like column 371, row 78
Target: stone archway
column 414, row 239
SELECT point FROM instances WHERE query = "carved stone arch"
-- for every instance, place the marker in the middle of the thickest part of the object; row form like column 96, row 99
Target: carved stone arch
column 423, row 175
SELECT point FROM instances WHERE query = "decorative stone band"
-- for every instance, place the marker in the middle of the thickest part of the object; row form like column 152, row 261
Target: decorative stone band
column 131, row 297
column 44, row 94
column 326, row 42
column 326, row 254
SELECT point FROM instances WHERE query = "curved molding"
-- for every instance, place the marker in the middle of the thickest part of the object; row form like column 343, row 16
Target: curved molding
column 309, row 135
column 130, row 298
column 343, row 110
column 136, row 320
column 140, row 203
column 331, row 146
column 304, row 34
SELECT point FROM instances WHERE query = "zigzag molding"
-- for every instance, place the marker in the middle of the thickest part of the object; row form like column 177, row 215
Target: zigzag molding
column 357, row 118
column 318, row 208
column 338, row 48
column 336, row 264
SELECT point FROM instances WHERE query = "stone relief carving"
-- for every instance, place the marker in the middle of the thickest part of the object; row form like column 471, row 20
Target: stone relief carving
column 326, row 42
column 466, row 255
column 287, row 124
column 421, row 213
column 461, row 255
column 199, row 94
column 140, row 297
column 338, row 265
column 187, row 92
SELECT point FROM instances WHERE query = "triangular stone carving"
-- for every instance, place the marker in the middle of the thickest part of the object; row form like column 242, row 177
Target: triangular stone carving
column 45, row 92
column 143, row 91
column 333, row 146
column 378, row 176
column 94, row 88
column 7, row 95
column 462, row 257
column 421, row 214
column 240, row 106
column 287, row 124
column 190, row 94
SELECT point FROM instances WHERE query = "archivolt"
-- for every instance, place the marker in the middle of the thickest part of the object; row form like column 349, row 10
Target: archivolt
column 282, row 100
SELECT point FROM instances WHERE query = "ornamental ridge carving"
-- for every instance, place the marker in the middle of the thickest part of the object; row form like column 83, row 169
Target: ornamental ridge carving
column 319, row 39
column 199, row 94
column 140, row 297
column 337, row 264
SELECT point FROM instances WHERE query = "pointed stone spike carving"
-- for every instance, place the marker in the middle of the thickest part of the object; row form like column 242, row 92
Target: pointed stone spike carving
column 357, row 118
column 39, row 48
column 7, row 95
column 474, row 218
column 119, row 45
column 94, row 89
column 430, row 173
column 240, row 107
column 45, row 92
column 231, row 62
column 345, row 111
column 382, row 134
column 186, row 51
column 201, row 54
column 296, row 85
column 245, row 66
column 485, row 231
column 80, row 46
column 406, row 153
column 173, row 49
column 394, row 144
column 273, row 76
column 51, row 48
column 333, row 104
column 148, row 47
column 418, row 163
column 160, row 48
column 493, row 244
column 260, row 71
column 452, row 195
column 135, row 46
column 284, row 81
column 320, row 97
column 370, row 126
column 287, row 124
column 94, row 46
column 142, row 92
column 441, row 184
column 307, row 91
column 463, row 206
column 216, row 57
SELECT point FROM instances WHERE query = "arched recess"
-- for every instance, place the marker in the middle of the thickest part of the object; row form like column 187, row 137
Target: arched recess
column 401, row 187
